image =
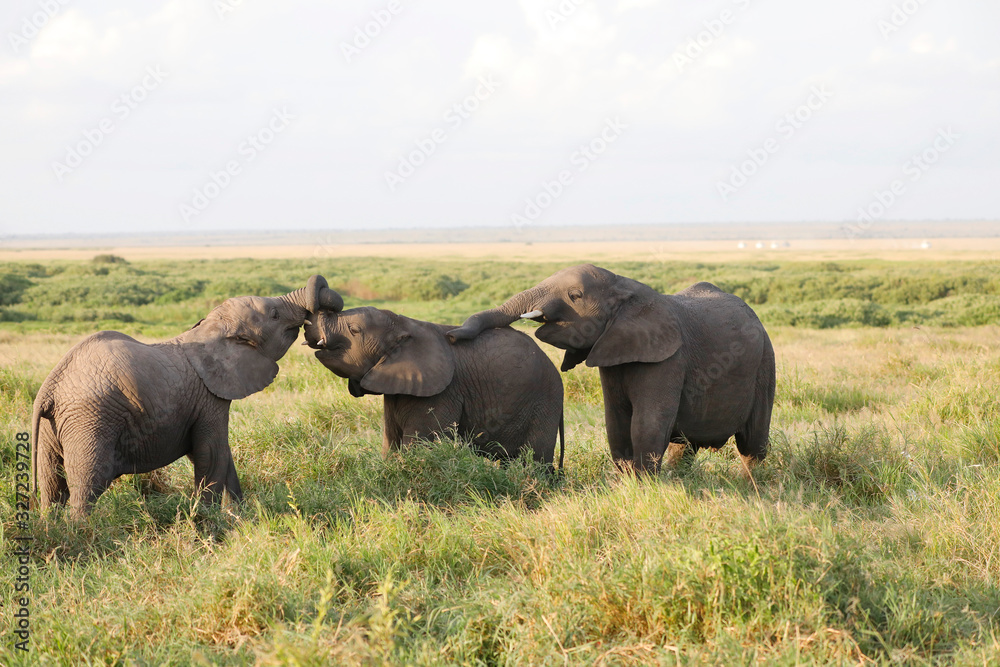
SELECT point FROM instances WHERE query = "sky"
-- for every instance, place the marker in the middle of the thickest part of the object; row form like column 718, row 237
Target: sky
column 198, row 115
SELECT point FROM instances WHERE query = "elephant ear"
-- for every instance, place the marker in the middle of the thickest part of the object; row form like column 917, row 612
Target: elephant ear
column 643, row 330
column 228, row 362
column 420, row 362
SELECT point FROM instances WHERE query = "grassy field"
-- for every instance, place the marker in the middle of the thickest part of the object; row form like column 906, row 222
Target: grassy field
column 870, row 534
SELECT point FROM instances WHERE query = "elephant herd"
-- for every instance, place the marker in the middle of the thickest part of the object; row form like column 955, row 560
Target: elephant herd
column 678, row 372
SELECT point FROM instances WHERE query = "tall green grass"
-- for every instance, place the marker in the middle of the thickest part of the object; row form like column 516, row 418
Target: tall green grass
column 870, row 534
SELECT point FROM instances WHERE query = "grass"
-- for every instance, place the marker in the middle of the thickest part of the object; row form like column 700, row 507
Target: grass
column 869, row 535
column 156, row 296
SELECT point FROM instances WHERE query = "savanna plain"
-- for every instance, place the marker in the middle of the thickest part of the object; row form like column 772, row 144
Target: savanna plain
column 870, row 535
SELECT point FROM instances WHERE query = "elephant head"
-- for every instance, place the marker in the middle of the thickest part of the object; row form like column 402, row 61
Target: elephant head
column 380, row 352
column 236, row 347
column 595, row 315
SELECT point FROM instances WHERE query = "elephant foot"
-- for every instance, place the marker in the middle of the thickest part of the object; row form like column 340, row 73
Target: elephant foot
column 78, row 512
column 647, row 468
column 623, row 466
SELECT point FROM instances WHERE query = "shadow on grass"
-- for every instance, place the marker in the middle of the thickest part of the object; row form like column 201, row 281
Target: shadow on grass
column 442, row 473
column 863, row 469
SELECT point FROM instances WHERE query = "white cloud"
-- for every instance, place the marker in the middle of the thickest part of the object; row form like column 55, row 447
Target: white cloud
column 925, row 43
column 559, row 80
column 730, row 54
column 491, row 53
column 625, row 5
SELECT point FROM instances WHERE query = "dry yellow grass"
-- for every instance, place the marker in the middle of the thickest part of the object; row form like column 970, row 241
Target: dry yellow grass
column 715, row 251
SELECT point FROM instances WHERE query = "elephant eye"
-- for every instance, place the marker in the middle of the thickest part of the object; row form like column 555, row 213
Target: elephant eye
column 274, row 313
column 575, row 294
column 353, row 329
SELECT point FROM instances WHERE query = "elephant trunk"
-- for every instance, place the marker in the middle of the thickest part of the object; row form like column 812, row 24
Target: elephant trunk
column 525, row 302
column 319, row 328
column 316, row 296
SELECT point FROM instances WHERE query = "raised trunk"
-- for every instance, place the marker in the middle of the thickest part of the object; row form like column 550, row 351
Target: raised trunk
column 316, row 296
column 501, row 316
column 319, row 328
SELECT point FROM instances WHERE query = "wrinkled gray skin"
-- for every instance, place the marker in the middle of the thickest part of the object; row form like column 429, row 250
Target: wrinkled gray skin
column 114, row 405
column 696, row 366
column 500, row 390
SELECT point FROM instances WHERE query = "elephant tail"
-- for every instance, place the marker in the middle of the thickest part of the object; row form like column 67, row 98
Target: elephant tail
column 562, row 441
column 42, row 409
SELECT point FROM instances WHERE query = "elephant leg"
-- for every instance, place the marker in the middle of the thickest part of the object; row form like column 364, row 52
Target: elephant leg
column 617, row 416
column 753, row 438
column 90, row 459
column 233, row 482
column 417, row 418
column 541, row 436
column 90, row 469
column 52, row 486
column 651, row 427
column 85, row 493
column 655, row 392
column 392, row 431
column 618, row 423
column 214, row 469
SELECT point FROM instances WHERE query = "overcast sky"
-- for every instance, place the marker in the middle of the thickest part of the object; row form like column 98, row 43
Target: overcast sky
column 240, row 114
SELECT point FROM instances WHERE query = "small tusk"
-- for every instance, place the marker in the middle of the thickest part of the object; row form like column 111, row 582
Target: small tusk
column 322, row 342
column 305, row 342
column 307, row 323
column 532, row 315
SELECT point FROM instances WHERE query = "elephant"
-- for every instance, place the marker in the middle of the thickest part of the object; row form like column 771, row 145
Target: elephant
column 502, row 391
column 691, row 368
column 114, row 406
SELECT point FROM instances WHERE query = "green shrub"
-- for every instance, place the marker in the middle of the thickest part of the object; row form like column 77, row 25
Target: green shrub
column 115, row 288
column 423, row 284
column 438, row 288
column 109, row 259
column 181, row 291
column 12, row 286
column 10, row 315
column 864, row 466
column 63, row 315
column 830, row 313
column 813, row 295
column 225, row 288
